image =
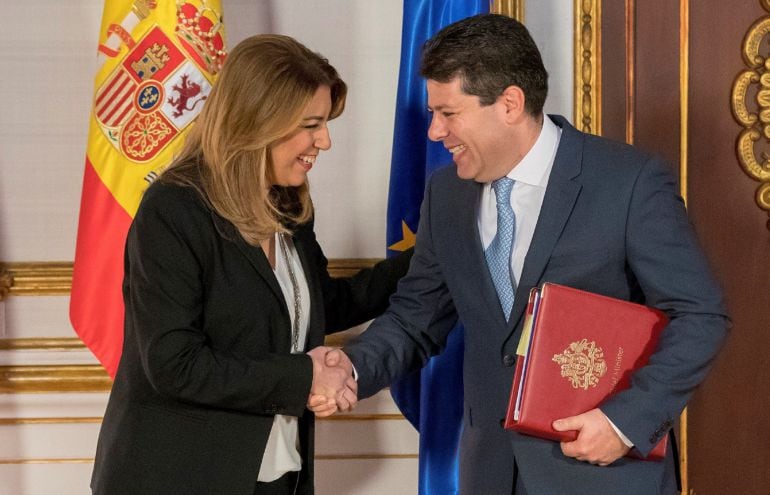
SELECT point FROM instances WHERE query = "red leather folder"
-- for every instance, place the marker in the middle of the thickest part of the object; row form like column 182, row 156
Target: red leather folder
column 577, row 349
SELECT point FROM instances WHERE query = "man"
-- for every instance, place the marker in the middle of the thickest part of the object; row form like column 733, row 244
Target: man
column 587, row 213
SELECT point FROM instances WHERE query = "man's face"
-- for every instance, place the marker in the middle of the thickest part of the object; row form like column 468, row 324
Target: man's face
column 477, row 136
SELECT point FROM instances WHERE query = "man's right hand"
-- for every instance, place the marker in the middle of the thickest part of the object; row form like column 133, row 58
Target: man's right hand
column 333, row 388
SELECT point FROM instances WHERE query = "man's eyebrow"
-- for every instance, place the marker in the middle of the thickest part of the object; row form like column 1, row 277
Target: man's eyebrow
column 438, row 108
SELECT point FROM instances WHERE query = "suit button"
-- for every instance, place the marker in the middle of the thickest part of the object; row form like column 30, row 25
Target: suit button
column 509, row 360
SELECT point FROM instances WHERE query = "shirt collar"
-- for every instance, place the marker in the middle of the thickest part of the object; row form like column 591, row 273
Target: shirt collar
column 533, row 168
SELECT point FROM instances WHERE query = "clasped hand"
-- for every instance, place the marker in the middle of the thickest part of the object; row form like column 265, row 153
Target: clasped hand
column 334, row 388
column 597, row 442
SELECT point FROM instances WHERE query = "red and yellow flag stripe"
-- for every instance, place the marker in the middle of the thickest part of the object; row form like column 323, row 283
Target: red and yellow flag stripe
column 156, row 64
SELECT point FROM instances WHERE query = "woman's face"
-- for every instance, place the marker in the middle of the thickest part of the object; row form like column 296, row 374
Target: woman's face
column 294, row 154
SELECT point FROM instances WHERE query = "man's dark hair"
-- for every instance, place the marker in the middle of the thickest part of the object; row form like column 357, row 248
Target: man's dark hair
column 489, row 52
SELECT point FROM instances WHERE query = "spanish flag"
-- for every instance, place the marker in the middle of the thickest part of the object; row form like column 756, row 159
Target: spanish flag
column 157, row 60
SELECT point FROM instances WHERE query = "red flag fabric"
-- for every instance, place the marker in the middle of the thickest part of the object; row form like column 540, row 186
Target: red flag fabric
column 157, row 62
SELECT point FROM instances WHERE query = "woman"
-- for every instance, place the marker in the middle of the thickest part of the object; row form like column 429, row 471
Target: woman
column 225, row 289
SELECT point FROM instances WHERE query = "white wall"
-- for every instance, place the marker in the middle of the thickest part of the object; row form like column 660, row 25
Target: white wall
column 46, row 88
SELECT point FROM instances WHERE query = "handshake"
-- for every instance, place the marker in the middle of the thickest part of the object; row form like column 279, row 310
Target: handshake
column 334, row 389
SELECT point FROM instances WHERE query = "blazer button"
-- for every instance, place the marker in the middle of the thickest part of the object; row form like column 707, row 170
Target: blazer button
column 509, row 360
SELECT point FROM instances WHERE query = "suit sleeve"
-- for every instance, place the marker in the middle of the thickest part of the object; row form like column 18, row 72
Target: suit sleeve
column 350, row 301
column 168, row 258
column 673, row 273
column 415, row 326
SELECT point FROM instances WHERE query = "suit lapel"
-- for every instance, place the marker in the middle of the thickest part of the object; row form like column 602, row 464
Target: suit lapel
column 559, row 200
column 472, row 258
column 254, row 254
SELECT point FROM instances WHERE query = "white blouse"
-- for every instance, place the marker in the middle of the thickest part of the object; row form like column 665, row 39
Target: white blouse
column 282, row 450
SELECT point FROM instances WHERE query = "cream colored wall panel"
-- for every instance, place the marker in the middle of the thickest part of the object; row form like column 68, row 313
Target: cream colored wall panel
column 48, row 440
column 550, row 23
column 385, row 476
column 379, row 403
column 366, row 437
column 350, row 182
column 37, row 316
column 45, row 92
column 47, row 85
column 366, row 476
column 56, row 405
column 45, row 479
column 30, row 357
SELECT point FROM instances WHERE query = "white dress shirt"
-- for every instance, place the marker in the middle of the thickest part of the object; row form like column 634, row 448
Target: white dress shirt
column 531, row 179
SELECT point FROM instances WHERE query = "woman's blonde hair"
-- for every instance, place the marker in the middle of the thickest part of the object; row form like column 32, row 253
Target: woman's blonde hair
column 263, row 89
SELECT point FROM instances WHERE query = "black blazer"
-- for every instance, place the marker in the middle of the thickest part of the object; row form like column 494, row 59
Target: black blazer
column 206, row 358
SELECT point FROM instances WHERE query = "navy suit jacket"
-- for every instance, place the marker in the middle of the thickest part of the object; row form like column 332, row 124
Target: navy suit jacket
column 611, row 222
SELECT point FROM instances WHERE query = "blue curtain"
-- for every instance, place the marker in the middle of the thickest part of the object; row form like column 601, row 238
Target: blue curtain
column 432, row 399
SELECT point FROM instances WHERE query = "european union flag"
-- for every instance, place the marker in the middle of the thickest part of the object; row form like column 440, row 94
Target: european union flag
column 432, row 398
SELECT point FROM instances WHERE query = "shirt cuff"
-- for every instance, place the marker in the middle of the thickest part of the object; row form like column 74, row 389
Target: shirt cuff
column 623, row 438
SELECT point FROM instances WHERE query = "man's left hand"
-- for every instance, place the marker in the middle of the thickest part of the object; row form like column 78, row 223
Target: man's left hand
column 597, row 442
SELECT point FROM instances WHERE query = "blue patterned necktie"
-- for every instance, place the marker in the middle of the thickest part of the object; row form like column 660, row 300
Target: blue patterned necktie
column 498, row 254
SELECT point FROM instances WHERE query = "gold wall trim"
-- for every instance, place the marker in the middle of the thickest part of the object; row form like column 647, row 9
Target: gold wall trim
column 39, row 278
column 511, row 8
column 49, row 460
column 630, row 35
column 5, row 283
column 354, row 457
column 90, row 460
column 42, row 344
column 750, row 101
column 684, row 90
column 88, row 377
column 54, row 378
column 75, row 344
column 48, row 421
column 98, row 419
column 363, row 417
column 587, row 69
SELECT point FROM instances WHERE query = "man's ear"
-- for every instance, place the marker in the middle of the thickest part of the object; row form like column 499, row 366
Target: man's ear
column 513, row 99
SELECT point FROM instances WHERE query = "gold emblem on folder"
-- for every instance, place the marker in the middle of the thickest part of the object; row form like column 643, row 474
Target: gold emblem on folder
column 582, row 363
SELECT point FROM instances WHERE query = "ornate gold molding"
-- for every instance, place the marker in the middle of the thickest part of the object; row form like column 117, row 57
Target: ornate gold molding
column 5, row 282
column 322, row 457
column 75, row 344
column 42, row 344
column 511, row 8
column 49, row 421
column 38, row 278
column 98, row 419
column 49, row 460
column 360, row 457
column 587, row 69
column 750, row 101
column 75, row 377
column 684, row 125
column 35, row 278
column 54, row 378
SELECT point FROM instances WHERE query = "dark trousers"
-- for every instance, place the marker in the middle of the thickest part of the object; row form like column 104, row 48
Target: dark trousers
column 285, row 485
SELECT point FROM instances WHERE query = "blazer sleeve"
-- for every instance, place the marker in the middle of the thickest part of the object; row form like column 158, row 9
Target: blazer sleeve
column 674, row 275
column 170, row 254
column 350, row 301
column 415, row 326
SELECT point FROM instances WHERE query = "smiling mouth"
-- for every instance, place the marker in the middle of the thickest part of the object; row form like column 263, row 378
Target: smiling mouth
column 308, row 159
column 456, row 149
